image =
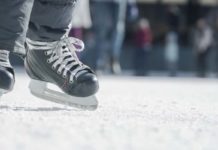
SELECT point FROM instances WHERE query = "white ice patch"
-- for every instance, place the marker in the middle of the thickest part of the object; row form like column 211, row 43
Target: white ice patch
column 133, row 114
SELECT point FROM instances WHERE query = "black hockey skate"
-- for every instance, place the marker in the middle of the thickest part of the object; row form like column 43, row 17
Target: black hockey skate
column 6, row 80
column 57, row 63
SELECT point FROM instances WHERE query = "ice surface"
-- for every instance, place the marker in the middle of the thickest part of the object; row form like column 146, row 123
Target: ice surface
column 133, row 114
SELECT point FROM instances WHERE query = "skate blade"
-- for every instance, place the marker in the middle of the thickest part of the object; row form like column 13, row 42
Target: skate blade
column 2, row 92
column 40, row 90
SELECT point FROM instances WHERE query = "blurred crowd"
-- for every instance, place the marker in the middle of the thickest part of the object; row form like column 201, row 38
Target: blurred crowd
column 123, row 35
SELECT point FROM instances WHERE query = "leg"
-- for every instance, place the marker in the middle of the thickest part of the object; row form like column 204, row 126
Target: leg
column 201, row 64
column 51, row 55
column 172, row 68
column 119, row 36
column 14, row 16
column 50, row 19
column 198, row 65
column 139, row 62
column 103, row 26
column 216, row 62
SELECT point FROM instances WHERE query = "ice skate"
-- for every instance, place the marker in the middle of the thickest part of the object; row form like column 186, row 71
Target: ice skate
column 57, row 63
column 6, row 73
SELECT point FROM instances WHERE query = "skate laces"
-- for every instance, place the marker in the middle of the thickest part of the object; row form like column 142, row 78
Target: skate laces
column 63, row 55
column 65, row 59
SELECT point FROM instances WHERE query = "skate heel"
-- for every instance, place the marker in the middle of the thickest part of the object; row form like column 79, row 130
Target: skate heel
column 30, row 72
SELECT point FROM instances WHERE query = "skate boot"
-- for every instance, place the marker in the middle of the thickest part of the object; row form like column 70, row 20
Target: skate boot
column 57, row 63
column 6, row 73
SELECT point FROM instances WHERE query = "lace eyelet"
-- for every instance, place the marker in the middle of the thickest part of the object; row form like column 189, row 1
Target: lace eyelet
column 58, row 72
column 48, row 61
column 71, row 81
column 53, row 67
column 64, row 76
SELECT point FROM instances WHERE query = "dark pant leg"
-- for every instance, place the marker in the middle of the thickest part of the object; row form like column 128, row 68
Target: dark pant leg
column 103, row 13
column 140, row 62
column 216, row 62
column 50, row 19
column 14, row 20
column 202, row 63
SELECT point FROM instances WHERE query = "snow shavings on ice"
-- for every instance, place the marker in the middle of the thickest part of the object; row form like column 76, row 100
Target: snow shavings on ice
column 133, row 114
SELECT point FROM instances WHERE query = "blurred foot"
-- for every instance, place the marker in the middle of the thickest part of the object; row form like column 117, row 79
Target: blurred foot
column 7, row 78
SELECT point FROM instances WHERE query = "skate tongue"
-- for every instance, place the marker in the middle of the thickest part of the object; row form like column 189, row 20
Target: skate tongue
column 77, row 46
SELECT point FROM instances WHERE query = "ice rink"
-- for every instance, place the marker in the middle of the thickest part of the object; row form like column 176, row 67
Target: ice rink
column 133, row 114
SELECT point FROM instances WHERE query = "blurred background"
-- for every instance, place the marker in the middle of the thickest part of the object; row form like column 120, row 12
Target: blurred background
column 148, row 37
column 155, row 39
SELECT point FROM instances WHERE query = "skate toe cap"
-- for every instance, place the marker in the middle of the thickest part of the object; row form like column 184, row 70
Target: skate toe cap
column 86, row 85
